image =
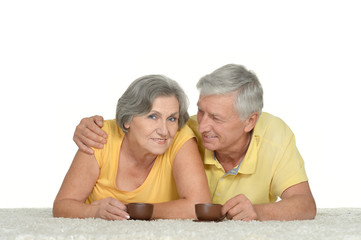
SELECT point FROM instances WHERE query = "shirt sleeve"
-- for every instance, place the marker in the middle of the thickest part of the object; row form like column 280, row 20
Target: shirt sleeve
column 289, row 170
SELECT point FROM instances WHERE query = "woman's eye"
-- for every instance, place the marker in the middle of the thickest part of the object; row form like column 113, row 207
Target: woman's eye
column 172, row 119
column 152, row 116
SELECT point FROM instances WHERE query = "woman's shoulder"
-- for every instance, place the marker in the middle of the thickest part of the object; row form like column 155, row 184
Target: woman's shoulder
column 115, row 135
column 182, row 136
column 111, row 128
column 184, row 132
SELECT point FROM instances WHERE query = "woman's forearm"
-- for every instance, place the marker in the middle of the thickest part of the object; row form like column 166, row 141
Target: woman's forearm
column 69, row 208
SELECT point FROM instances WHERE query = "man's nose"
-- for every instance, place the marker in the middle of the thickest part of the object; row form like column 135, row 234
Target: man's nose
column 203, row 124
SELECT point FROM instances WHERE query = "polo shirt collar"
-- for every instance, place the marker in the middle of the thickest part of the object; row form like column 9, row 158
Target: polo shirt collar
column 248, row 164
column 209, row 159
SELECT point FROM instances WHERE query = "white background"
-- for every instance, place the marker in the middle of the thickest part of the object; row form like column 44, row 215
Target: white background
column 64, row 60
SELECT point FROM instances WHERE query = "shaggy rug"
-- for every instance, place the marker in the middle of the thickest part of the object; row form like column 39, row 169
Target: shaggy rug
column 29, row 223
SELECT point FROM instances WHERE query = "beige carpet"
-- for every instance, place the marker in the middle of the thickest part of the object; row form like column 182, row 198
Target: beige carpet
column 338, row 223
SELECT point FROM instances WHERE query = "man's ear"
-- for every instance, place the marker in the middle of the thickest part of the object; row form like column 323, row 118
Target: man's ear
column 251, row 121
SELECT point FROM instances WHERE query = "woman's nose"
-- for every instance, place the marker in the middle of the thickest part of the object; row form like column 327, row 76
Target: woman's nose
column 162, row 129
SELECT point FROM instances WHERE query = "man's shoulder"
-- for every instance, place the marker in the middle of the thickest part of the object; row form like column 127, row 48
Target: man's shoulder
column 193, row 123
column 273, row 127
column 267, row 119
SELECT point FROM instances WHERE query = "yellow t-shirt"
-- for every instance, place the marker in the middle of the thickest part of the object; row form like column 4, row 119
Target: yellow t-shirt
column 159, row 186
column 271, row 165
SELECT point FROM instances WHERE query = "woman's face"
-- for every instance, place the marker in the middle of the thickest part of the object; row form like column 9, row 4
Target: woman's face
column 154, row 132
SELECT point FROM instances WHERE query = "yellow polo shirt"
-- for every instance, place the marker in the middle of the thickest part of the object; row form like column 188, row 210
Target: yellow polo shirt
column 159, row 186
column 271, row 165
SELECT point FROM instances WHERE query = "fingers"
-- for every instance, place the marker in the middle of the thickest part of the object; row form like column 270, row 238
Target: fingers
column 117, row 204
column 114, row 213
column 82, row 146
column 117, row 209
column 230, row 204
column 88, row 134
column 89, row 138
column 239, row 208
column 99, row 120
column 235, row 213
column 244, row 214
column 111, row 209
column 93, row 125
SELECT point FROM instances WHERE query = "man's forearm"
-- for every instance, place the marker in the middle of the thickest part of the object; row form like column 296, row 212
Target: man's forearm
column 297, row 207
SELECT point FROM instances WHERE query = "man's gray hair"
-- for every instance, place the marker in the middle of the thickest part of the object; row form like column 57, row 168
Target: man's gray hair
column 231, row 78
column 138, row 99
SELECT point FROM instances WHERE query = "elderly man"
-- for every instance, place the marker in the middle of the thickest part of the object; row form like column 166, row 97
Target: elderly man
column 250, row 157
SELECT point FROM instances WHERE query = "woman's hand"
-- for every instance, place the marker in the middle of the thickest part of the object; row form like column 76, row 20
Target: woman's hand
column 111, row 209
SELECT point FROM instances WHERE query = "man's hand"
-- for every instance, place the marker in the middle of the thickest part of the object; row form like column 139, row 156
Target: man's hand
column 239, row 208
column 111, row 209
column 89, row 134
column 296, row 203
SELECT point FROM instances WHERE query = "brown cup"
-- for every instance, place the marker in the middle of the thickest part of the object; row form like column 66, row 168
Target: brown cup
column 209, row 212
column 140, row 211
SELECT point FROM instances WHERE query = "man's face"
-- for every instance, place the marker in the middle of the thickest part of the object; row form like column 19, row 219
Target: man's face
column 219, row 124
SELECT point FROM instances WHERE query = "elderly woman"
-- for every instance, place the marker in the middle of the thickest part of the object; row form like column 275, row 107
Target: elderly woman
column 150, row 156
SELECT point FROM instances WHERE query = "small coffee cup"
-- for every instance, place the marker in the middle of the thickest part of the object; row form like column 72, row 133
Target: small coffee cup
column 140, row 211
column 209, row 212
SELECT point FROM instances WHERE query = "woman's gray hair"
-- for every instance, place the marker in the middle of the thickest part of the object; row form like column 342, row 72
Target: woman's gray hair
column 231, row 78
column 138, row 99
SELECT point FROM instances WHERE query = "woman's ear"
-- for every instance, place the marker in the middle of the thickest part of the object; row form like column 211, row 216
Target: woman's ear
column 251, row 121
column 126, row 125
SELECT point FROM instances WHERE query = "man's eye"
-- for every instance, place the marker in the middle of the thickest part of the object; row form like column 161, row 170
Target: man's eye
column 215, row 118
